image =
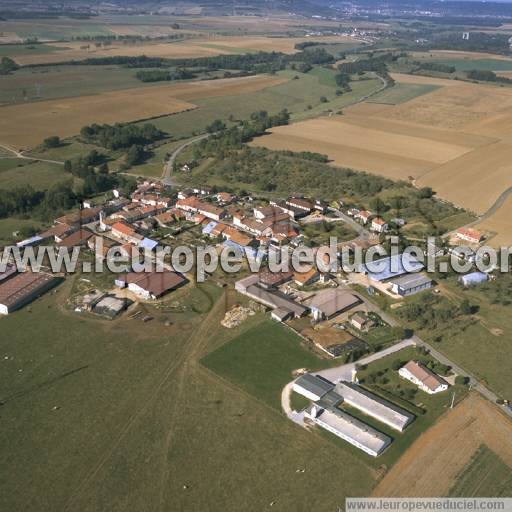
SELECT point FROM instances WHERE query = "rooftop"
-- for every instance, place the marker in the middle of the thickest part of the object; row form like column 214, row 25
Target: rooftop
column 374, row 406
column 392, row 266
column 314, row 384
column 422, row 373
column 412, row 281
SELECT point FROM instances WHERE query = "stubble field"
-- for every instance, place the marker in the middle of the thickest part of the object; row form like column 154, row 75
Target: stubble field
column 432, row 465
column 187, row 48
column 26, row 125
column 456, row 139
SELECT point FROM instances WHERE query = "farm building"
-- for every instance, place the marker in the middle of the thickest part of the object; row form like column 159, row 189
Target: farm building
column 150, row 285
column 374, row 406
column 328, row 303
column 411, row 284
column 76, row 239
column 126, row 233
column 8, row 271
column 350, row 429
column 31, row 242
column 425, row 379
column 391, row 267
column 273, row 299
column 312, row 387
column 23, row 288
column 306, row 278
column 473, row 279
column 469, row 235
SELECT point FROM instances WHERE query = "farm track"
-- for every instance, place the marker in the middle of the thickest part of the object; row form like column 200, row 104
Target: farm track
column 21, row 155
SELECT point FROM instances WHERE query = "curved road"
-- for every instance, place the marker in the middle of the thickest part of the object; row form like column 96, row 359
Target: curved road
column 166, row 175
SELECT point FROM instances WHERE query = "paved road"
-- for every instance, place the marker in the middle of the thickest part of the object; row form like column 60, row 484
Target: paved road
column 363, row 233
column 168, row 167
column 21, row 155
column 344, row 372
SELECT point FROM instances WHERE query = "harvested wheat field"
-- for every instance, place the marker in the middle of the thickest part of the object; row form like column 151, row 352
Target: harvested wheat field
column 430, row 466
column 456, row 139
column 390, row 148
column 498, row 227
column 188, row 48
column 65, row 117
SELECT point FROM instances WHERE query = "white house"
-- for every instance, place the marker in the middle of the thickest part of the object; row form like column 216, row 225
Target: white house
column 379, row 225
column 425, row 379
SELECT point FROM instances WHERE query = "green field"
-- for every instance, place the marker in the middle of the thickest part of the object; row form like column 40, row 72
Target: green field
column 485, row 475
column 13, row 50
column 400, row 93
column 54, row 82
column 54, row 29
column 297, row 95
column 125, row 419
column 262, row 361
column 40, row 175
column 481, row 64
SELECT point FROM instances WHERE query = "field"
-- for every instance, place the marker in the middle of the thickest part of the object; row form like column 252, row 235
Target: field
column 187, row 48
column 262, row 361
column 40, row 175
column 401, row 93
column 452, row 132
column 497, row 226
column 122, row 412
column 485, row 475
column 65, row 117
column 434, row 464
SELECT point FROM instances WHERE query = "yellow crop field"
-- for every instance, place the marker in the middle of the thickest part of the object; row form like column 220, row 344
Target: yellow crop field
column 498, row 226
column 189, row 48
column 26, row 125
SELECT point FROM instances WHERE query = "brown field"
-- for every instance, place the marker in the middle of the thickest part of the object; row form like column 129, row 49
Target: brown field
column 430, row 466
column 498, row 225
column 181, row 49
column 456, row 139
column 26, row 125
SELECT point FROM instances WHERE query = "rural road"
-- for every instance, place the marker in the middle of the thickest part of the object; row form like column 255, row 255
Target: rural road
column 166, row 175
column 22, row 156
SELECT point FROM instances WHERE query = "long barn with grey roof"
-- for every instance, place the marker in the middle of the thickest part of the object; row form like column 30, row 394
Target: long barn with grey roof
column 374, row 406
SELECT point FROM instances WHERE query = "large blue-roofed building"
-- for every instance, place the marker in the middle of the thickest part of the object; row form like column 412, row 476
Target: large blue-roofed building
column 392, row 266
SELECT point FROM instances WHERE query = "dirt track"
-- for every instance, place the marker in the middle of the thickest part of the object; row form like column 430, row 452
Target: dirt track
column 430, row 466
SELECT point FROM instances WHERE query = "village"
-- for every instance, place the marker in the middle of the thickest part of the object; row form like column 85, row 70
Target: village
column 332, row 312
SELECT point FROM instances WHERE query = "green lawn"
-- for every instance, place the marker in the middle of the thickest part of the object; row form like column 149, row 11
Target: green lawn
column 12, row 224
column 320, row 232
column 262, row 361
column 400, row 93
column 485, row 475
column 481, row 64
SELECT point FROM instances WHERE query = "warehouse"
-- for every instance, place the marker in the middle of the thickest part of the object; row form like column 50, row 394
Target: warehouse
column 391, row 267
column 23, row 288
column 330, row 302
column 374, row 406
column 411, row 284
column 473, row 279
column 312, row 387
column 350, row 429
column 150, row 285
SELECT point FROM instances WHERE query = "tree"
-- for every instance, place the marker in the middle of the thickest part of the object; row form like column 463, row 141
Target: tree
column 323, row 99
column 52, row 142
column 134, row 156
column 7, row 65
column 465, row 307
column 462, row 380
column 396, row 364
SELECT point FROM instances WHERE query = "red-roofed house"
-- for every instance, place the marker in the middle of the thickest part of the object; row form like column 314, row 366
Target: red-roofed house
column 469, row 235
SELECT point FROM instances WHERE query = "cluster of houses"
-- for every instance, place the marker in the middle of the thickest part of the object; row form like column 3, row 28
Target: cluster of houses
column 373, row 222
